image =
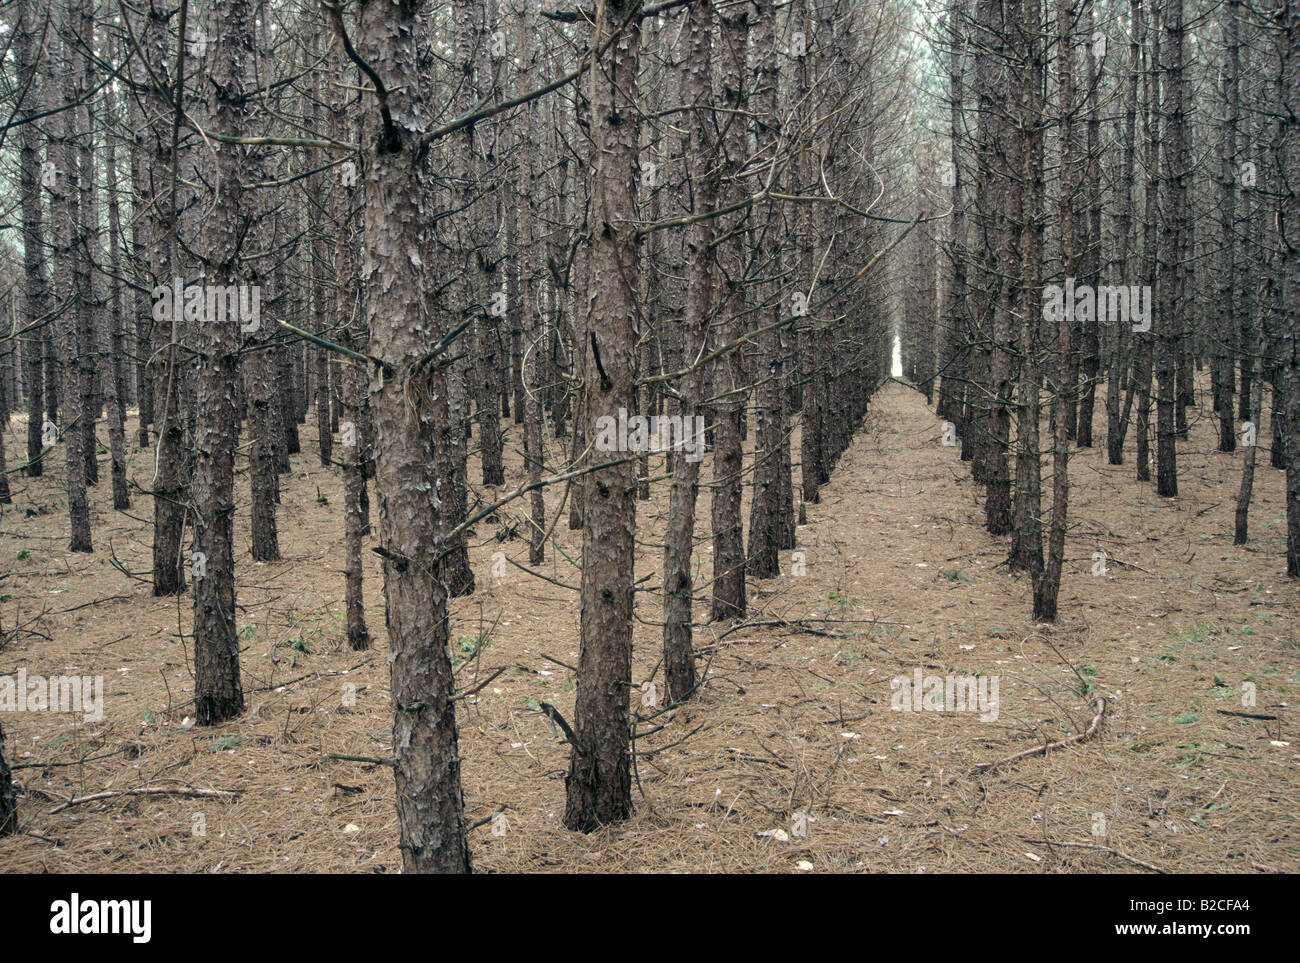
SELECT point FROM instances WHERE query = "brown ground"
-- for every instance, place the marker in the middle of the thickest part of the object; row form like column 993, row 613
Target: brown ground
column 900, row 574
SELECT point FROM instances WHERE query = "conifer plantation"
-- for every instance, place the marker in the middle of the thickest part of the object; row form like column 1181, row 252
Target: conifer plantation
column 683, row 436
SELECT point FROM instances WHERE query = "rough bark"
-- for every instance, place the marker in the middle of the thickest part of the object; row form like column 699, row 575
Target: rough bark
column 167, row 483
column 598, row 785
column 1289, row 223
column 430, row 805
column 1047, row 587
column 1121, row 345
column 951, row 385
column 89, row 256
column 1145, row 344
column 350, row 323
column 8, row 800
column 36, row 290
column 115, row 376
column 769, row 428
column 1090, row 225
column 1026, row 531
column 528, row 393
column 728, row 374
column 218, row 693
column 70, row 277
column 1173, row 228
column 679, row 537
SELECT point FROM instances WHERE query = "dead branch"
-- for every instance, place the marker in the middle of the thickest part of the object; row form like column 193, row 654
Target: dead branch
column 1044, row 749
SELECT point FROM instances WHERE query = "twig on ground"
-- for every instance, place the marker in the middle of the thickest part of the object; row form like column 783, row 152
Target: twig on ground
column 370, row 759
column 1106, row 849
column 1044, row 749
column 147, row 791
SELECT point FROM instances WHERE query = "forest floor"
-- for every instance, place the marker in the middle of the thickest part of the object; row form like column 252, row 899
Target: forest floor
column 789, row 760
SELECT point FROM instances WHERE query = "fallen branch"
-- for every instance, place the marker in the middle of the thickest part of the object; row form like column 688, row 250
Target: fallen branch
column 111, row 598
column 147, row 791
column 1102, row 849
column 550, row 658
column 646, row 754
column 1043, row 750
column 478, row 688
column 374, row 760
column 1120, row 561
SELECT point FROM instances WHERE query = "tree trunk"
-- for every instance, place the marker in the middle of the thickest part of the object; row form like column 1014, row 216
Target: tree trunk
column 1241, row 522
column 1228, row 323
column 168, row 487
column 728, row 373
column 1047, row 587
column 36, row 291
column 264, row 431
column 141, row 333
column 1026, row 530
column 1090, row 252
column 765, row 505
column 8, row 801
column 1146, row 341
column 491, row 293
column 350, row 322
column 90, row 361
column 1289, row 223
column 115, row 375
column 951, row 385
column 1120, row 366
column 679, row 536
column 1009, row 149
column 528, row 393
column 1172, row 271
column 430, row 805
column 70, row 278
column 218, row 693
column 598, row 786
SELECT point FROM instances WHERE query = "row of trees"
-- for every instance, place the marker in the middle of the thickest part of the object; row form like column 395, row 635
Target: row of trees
column 412, row 220
column 1123, row 181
